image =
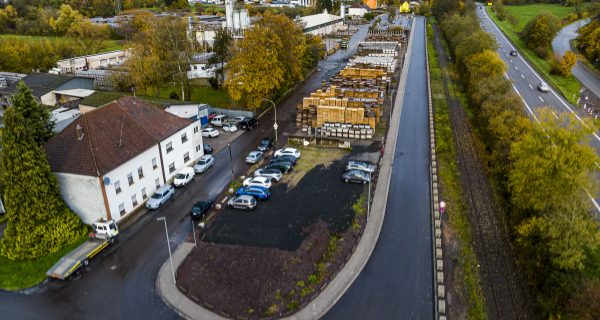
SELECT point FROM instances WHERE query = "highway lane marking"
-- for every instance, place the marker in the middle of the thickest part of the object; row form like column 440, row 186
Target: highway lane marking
column 516, row 68
column 554, row 115
column 530, row 87
column 541, row 99
column 551, row 89
column 520, row 96
column 522, row 76
column 593, row 201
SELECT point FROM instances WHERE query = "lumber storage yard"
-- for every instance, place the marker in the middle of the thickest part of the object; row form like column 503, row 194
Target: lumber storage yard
column 350, row 105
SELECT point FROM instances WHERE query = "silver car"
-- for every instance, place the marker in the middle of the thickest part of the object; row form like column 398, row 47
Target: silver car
column 274, row 174
column 243, row 202
column 204, row 163
column 543, row 87
column 254, row 157
column 360, row 165
column 160, row 197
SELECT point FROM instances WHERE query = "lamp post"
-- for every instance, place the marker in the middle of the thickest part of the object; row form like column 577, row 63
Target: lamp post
column 392, row 106
column 369, row 198
column 275, row 126
column 230, row 160
column 168, row 246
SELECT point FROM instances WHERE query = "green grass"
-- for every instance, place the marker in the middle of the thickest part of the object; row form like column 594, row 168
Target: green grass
column 452, row 190
column 110, row 44
column 216, row 98
column 16, row 275
column 568, row 86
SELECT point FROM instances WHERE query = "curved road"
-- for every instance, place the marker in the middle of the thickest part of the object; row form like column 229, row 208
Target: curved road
column 120, row 281
column 562, row 43
column 397, row 282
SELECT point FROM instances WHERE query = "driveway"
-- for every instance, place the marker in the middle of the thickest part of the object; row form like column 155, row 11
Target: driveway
column 562, row 43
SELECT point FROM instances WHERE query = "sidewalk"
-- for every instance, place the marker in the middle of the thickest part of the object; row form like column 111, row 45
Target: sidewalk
column 334, row 290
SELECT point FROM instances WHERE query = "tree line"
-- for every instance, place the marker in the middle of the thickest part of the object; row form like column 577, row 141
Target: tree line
column 545, row 170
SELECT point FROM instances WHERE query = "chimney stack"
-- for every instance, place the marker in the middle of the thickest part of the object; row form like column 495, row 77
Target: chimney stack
column 79, row 132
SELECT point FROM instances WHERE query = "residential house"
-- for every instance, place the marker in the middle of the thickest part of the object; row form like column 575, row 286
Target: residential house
column 111, row 159
column 195, row 112
column 44, row 87
column 199, row 68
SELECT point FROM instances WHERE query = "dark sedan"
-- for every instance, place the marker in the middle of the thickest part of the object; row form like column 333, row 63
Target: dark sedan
column 207, row 149
column 283, row 166
column 200, row 209
column 291, row 159
column 356, row 176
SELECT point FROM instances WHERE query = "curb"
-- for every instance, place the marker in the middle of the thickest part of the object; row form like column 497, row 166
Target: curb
column 438, row 257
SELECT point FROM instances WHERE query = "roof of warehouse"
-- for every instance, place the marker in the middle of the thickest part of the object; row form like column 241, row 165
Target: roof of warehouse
column 318, row 19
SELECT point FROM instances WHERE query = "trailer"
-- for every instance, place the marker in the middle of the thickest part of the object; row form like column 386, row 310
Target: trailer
column 105, row 233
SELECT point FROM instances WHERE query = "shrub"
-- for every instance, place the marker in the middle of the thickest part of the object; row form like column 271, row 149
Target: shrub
column 564, row 65
column 214, row 83
column 541, row 52
column 173, row 95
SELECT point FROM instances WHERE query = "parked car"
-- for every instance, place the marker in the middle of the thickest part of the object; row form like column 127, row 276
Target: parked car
column 218, row 120
column 236, row 120
column 356, row 176
column 254, row 157
column 211, row 116
column 183, row 177
column 543, row 87
column 229, row 127
column 288, row 152
column 259, row 193
column 248, row 123
column 210, row 132
column 258, row 181
column 204, row 163
column 283, row 166
column 207, row 148
column 513, row 53
column 274, row 174
column 291, row 159
column 360, row 165
column 265, row 144
column 160, row 197
column 200, row 209
column 244, row 202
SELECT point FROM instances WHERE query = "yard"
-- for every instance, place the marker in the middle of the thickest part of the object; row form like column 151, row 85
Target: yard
column 110, row 44
column 568, row 86
column 214, row 97
column 271, row 261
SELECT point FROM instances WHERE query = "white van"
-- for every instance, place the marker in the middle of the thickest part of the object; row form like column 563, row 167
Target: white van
column 183, row 177
column 218, row 120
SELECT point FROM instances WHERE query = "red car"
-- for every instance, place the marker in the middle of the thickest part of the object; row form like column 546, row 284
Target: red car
column 212, row 115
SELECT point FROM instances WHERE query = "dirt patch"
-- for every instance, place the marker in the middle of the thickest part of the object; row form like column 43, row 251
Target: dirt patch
column 310, row 157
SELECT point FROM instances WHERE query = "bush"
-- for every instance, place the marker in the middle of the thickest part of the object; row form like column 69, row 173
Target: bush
column 369, row 16
column 173, row 95
column 564, row 65
column 214, row 83
column 541, row 52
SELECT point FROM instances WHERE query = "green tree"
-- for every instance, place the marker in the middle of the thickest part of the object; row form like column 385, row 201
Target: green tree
column 89, row 38
column 541, row 30
column 37, row 117
column 39, row 222
column 223, row 42
column 67, row 16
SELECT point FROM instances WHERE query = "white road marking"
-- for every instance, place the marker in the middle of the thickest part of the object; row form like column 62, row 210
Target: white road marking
column 522, row 76
column 510, row 60
column 554, row 115
column 530, row 87
column 541, row 99
column 516, row 68
column 524, row 102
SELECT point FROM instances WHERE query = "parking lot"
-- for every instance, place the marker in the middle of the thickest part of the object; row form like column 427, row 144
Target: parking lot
column 219, row 142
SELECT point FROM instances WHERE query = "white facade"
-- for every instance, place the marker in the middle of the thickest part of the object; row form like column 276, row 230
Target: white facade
column 92, row 62
column 122, row 202
column 201, row 71
column 357, row 12
column 179, row 150
column 322, row 23
column 304, row 3
column 83, row 195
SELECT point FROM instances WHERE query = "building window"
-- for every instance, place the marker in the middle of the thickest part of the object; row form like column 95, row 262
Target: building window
column 140, row 173
column 198, row 148
column 117, row 187
column 196, row 129
column 157, row 182
column 122, row 208
column 134, row 201
column 130, row 178
column 144, row 196
column 186, row 157
column 154, row 165
column 172, row 167
column 184, row 137
column 169, row 147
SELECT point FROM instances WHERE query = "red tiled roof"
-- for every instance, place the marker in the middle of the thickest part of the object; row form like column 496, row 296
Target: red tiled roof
column 103, row 146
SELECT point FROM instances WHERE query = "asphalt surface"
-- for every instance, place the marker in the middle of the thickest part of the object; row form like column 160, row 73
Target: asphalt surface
column 525, row 81
column 562, row 44
column 397, row 282
column 119, row 283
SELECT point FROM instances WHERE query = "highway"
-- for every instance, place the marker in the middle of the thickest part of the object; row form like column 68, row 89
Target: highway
column 525, row 81
column 397, row 282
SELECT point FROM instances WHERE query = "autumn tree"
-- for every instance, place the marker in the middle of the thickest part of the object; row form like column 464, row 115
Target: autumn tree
column 89, row 38
column 67, row 16
column 564, row 65
column 221, row 46
column 539, row 32
column 39, row 222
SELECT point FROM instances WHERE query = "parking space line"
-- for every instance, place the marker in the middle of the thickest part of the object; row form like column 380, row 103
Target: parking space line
column 541, row 99
column 530, row 87
column 522, row 76
column 510, row 60
column 516, row 68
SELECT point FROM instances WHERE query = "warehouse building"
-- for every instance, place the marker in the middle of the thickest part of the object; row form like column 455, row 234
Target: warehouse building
column 322, row 23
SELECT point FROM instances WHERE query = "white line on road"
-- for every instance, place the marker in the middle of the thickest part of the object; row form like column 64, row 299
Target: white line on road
column 541, row 99
column 516, row 68
column 520, row 96
column 530, row 87
column 522, row 76
column 554, row 114
column 510, row 60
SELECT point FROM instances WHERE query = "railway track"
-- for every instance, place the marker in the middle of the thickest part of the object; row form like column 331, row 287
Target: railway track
column 504, row 294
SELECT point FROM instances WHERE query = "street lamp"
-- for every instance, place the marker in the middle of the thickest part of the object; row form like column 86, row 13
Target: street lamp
column 168, row 246
column 392, row 106
column 275, row 126
column 230, row 160
column 369, row 198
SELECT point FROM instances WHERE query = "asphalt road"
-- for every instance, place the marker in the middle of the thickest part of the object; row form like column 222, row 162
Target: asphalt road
column 525, row 81
column 119, row 283
column 397, row 282
column 562, row 44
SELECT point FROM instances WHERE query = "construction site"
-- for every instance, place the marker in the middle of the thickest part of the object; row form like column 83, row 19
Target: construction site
column 351, row 104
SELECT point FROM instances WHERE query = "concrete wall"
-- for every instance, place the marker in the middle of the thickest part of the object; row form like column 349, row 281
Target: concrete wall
column 231, row 113
column 147, row 182
column 83, row 195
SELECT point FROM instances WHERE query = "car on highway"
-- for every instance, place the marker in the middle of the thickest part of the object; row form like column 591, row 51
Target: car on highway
column 259, row 193
column 210, row 132
column 200, row 209
column 254, row 157
column 207, row 148
column 243, row 202
column 274, row 174
column 258, row 181
column 248, row 123
column 291, row 159
column 160, row 197
column 183, row 177
column 230, row 127
column 265, row 144
column 204, row 163
column 360, row 165
column 543, row 87
column 356, row 176
column 513, row 53
column 288, row 152
column 283, row 166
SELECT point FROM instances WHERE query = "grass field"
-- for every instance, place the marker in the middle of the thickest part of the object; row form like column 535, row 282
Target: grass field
column 216, row 98
column 568, row 86
column 16, row 275
column 110, row 44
